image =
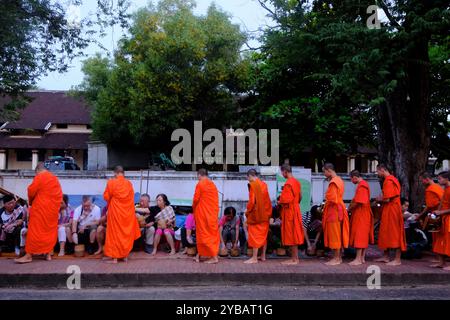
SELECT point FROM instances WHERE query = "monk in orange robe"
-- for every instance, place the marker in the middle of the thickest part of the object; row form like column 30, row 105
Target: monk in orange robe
column 361, row 220
column 392, row 231
column 291, row 218
column 441, row 241
column 206, row 214
column 259, row 211
column 44, row 197
column 335, row 221
column 433, row 194
column 123, row 227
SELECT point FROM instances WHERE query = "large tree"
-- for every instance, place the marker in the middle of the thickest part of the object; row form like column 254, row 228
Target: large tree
column 327, row 54
column 40, row 36
column 173, row 68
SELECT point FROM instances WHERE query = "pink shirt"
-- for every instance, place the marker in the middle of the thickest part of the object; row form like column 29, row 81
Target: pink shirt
column 190, row 222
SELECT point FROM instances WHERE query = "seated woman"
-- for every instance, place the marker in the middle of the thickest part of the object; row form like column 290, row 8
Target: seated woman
column 165, row 221
column 64, row 223
column 188, row 232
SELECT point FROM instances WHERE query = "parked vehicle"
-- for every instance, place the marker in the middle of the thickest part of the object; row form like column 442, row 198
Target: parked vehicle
column 61, row 164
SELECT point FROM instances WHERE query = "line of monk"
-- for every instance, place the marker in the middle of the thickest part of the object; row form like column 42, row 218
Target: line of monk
column 340, row 232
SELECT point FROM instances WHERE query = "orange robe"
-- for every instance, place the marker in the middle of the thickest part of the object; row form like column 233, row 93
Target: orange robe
column 291, row 217
column 392, row 231
column 123, row 227
column 45, row 197
column 361, row 221
column 206, row 214
column 259, row 210
column 433, row 197
column 441, row 241
column 335, row 221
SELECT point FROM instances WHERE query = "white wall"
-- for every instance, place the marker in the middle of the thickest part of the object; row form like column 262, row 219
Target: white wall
column 176, row 185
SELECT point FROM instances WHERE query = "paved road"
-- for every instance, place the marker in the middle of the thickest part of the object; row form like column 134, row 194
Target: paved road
column 235, row 292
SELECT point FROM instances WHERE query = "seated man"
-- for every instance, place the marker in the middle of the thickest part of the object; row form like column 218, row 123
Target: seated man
column 101, row 231
column 11, row 220
column 149, row 213
column 84, row 225
column 229, row 228
column 188, row 232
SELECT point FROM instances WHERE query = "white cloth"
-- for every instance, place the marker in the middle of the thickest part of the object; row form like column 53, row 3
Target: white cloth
column 62, row 237
column 84, row 220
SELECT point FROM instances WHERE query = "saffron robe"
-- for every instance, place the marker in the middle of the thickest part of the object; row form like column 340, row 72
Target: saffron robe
column 45, row 197
column 441, row 241
column 392, row 231
column 259, row 210
column 361, row 220
column 291, row 217
column 206, row 214
column 335, row 220
column 123, row 227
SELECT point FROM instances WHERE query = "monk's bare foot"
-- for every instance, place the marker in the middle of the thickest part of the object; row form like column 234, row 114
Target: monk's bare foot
column 48, row 257
column 290, row 262
column 27, row 258
column 356, row 263
column 394, row 263
column 333, row 262
column 263, row 258
column 437, row 265
column 112, row 261
column 363, row 260
column 213, row 260
column 382, row 259
column 251, row 261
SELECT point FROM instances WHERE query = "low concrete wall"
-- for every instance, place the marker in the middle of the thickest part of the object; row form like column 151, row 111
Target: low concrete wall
column 178, row 186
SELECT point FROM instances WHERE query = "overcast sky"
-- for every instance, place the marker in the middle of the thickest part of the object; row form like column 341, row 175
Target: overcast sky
column 247, row 13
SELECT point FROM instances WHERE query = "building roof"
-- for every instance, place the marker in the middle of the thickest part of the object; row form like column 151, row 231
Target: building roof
column 56, row 107
column 66, row 141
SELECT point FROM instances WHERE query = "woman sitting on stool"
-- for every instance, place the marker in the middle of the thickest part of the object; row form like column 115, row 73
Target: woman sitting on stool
column 166, row 222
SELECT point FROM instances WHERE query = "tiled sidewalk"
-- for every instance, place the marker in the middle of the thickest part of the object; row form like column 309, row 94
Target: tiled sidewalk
column 143, row 269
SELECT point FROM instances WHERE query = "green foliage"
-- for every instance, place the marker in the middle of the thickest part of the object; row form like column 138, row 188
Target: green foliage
column 174, row 68
column 36, row 38
column 322, row 73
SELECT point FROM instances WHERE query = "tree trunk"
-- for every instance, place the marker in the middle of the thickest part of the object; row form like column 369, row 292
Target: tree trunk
column 404, row 120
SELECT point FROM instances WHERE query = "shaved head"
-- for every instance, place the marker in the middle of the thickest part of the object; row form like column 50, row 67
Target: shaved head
column 202, row 172
column 252, row 173
column 355, row 173
column 118, row 170
column 328, row 166
column 286, row 168
column 40, row 167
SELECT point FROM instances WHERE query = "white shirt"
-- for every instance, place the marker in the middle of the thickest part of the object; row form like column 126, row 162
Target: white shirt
column 94, row 215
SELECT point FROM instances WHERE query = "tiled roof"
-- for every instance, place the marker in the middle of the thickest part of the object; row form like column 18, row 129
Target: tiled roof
column 66, row 141
column 50, row 106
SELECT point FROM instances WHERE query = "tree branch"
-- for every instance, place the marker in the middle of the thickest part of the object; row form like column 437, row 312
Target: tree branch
column 389, row 15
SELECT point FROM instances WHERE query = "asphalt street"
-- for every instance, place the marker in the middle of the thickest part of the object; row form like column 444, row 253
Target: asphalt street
column 233, row 293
